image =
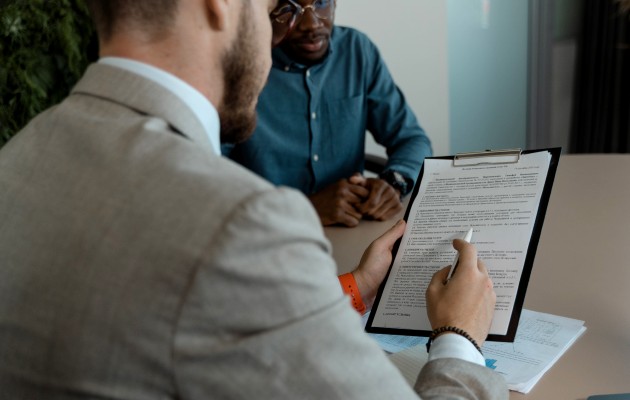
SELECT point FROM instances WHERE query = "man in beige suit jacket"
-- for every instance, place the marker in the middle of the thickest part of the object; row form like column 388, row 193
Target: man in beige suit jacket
column 136, row 263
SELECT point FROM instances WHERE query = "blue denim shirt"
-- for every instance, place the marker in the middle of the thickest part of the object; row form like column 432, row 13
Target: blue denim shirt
column 312, row 120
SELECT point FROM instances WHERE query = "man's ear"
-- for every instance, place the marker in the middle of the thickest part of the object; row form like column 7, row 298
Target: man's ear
column 218, row 13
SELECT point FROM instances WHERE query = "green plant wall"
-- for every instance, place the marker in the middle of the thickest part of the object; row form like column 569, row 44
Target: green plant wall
column 45, row 45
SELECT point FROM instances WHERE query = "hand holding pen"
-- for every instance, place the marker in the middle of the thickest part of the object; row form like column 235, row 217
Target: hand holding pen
column 467, row 238
column 468, row 300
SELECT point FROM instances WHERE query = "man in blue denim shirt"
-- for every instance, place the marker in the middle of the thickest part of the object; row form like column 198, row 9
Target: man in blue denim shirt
column 327, row 86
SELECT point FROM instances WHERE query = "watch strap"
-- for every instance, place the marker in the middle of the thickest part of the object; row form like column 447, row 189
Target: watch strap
column 350, row 288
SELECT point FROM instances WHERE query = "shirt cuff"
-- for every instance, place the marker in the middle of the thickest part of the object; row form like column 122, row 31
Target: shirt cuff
column 451, row 345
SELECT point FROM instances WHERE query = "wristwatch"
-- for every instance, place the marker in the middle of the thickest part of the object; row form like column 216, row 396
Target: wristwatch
column 397, row 181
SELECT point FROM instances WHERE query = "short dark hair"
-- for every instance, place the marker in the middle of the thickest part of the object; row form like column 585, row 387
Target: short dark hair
column 155, row 16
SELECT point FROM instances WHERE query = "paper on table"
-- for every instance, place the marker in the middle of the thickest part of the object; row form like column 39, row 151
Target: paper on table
column 395, row 343
column 540, row 341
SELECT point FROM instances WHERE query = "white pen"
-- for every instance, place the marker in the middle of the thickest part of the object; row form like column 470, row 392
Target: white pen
column 467, row 239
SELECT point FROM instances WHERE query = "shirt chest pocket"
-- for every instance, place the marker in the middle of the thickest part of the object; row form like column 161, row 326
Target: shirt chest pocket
column 345, row 113
column 343, row 126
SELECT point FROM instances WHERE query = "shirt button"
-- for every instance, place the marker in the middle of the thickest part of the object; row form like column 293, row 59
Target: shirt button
column 313, row 115
column 308, row 73
column 287, row 68
column 315, row 157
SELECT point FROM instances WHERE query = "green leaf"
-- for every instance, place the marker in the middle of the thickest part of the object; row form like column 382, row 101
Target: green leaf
column 45, row 47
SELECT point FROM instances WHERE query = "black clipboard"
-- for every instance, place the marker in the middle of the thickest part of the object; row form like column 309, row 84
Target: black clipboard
column 471, row 159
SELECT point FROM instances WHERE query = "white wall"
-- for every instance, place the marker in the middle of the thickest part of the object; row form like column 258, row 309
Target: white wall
column 412, row 37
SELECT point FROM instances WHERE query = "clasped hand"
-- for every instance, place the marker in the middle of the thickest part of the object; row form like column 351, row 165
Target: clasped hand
column 347, row 201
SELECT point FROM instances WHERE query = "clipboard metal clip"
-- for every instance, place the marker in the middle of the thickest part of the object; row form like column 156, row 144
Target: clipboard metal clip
column 507, row 156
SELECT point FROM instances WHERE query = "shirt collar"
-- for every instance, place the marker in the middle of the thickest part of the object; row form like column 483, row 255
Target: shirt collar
column 198, row 103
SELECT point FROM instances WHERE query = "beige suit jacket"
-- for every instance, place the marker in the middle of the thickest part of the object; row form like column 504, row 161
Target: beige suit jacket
column 137, row 264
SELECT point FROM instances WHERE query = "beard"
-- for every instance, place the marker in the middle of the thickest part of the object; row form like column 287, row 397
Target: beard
column 242, row 82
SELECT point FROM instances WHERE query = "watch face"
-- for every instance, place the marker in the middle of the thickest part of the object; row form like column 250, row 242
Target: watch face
column 396, row 180
column 399, row 178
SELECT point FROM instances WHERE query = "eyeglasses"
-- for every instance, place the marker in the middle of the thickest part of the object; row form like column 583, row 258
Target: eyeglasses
column 289, row 14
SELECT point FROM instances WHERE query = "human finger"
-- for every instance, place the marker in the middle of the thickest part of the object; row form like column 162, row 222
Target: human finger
column 360, row 192
column 387, row 209
column 375, row 262
column 467, row 252
column 440, row 277
column 349, row 220
column 357, row 179
column 377, row 188
column 392, row 234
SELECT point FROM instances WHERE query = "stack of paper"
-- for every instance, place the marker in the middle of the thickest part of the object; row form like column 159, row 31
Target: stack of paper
column 540, row 341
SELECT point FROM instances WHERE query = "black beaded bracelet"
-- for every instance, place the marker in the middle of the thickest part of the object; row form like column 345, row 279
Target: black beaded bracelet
column 453, row 329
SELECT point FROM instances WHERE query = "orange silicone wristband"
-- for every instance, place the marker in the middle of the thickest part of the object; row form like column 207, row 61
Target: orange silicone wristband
column 349, row 286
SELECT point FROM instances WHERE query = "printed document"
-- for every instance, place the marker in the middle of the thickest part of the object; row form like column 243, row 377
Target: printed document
column 500, row 201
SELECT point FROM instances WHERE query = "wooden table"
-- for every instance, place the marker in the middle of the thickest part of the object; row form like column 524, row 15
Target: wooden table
column 582, row 271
